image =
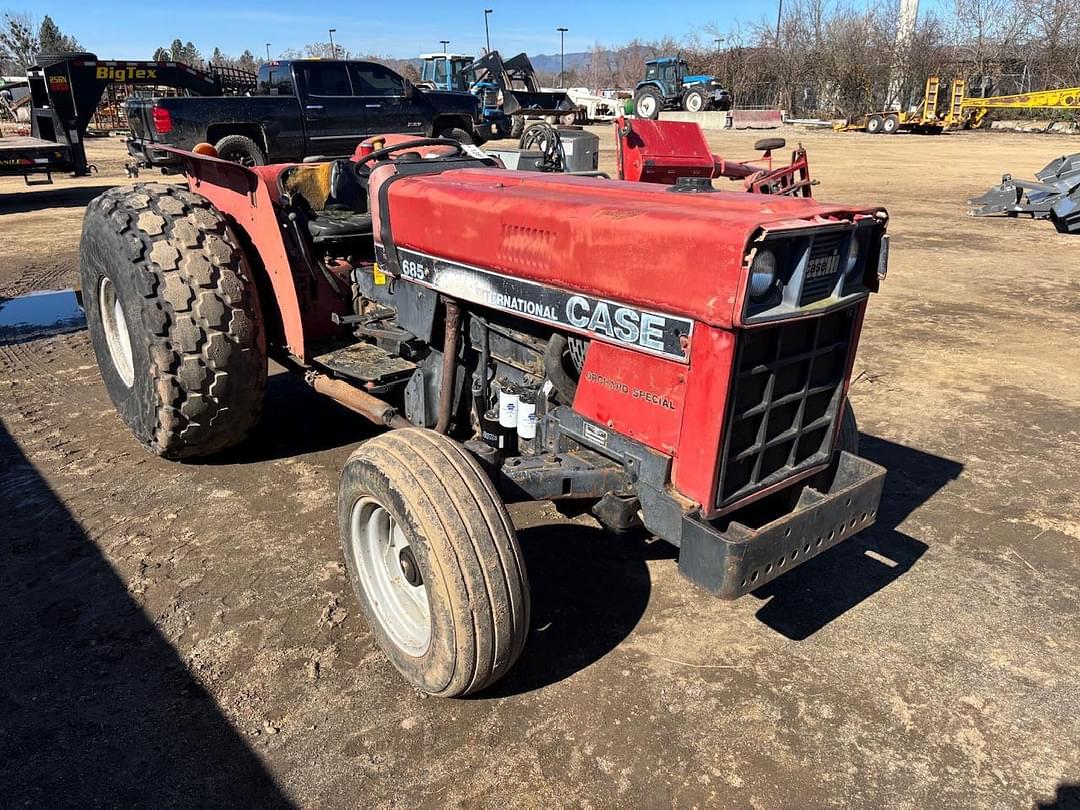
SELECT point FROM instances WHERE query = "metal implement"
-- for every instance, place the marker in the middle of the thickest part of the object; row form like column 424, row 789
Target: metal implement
column 1055, row 196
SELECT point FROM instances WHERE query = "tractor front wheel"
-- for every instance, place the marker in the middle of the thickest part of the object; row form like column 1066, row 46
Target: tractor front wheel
column 694, row 101
column 434, row 561
column 174, row 318
column 647, row 103
column 517, row 126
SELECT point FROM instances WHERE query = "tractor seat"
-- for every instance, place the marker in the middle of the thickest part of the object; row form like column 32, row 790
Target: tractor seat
column 335, row 199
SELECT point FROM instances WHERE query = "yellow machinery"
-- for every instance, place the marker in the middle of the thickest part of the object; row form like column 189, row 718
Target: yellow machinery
column 970, row 112
column 963, row 112
column 923, row 118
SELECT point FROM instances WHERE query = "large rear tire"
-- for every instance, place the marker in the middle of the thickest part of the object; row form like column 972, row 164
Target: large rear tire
column 434, row 561
column 174, row 318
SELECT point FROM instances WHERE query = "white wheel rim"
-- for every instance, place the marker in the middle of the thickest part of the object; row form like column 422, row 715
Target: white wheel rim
column 117, row 338
column 385, row 563
column 647, row 105
column 693, row 103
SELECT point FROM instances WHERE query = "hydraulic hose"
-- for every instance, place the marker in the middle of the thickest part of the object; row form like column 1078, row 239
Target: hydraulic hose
column 556, row 370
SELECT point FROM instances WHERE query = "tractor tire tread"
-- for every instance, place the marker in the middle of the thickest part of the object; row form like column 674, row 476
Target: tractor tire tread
column 201, row 317
column 472, row 542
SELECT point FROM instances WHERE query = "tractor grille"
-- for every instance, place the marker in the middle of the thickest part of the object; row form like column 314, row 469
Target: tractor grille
column 822, row 266
column 785, row 394
column 490, row 98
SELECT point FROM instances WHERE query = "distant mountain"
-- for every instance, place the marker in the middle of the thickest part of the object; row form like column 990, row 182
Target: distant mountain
column 549, row 63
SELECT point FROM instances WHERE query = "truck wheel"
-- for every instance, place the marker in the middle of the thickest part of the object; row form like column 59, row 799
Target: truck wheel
column 174, row 318
column 457, row 134
column 890, row 124
column 647, row 103
column 240, row 149
column 873, row 124
column 694, row 101
column 517, row 126
column 434, row 561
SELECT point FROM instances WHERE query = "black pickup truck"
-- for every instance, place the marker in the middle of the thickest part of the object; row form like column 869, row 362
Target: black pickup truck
column 301, row 108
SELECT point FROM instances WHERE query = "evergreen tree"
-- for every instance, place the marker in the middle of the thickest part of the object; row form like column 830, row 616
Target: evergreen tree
column 52, row 40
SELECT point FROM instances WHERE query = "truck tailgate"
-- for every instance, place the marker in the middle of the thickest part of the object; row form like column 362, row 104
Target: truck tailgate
column 138, row 116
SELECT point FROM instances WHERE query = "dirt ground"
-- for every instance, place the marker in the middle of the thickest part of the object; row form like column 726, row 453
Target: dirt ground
column 184, row 634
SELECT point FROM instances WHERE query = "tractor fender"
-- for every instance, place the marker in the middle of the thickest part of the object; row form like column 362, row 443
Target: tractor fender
column 244, row 196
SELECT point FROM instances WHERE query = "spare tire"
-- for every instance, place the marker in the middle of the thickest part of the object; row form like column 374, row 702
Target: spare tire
column 174, row 318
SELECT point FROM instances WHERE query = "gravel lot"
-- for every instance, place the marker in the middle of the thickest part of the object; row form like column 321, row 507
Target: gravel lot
column 184, row 634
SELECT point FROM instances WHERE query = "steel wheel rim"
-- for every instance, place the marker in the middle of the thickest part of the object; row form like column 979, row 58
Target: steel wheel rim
column 382, row 551
column 646, row 106
column 117, row 338
column 693, row 103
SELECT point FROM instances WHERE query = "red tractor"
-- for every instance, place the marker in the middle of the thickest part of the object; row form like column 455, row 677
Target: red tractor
column 679, row 360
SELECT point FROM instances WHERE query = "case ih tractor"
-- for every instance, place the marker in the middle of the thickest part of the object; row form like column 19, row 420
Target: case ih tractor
column 677, row 359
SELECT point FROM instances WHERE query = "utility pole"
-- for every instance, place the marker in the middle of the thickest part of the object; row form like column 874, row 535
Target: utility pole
column 444, row 43
column 487, row 34
column 718, row 41
column 562, row 54
column 333, row 49
column 267, row 51
column 779, row 14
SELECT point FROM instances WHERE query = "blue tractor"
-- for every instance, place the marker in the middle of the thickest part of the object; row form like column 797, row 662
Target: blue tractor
column 508, row 90
column 669, row 85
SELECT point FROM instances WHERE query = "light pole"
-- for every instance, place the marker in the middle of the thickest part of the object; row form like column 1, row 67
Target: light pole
column 487, row 34
column 333, row 49
column 267, row 51
column 444, row 43
column 562, row 54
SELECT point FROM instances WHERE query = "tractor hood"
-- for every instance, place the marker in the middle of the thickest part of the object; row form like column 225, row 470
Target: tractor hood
column 633, row 243
column 698, row 79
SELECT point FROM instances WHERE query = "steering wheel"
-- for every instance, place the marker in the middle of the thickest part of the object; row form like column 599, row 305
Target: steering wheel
column 386, row 151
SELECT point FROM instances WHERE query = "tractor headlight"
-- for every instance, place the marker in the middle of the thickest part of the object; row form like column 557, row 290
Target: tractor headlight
column 762, row 274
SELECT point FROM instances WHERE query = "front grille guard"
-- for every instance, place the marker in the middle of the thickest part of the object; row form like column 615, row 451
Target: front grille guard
column 783, row 402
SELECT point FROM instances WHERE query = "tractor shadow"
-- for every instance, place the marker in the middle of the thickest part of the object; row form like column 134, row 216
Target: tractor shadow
column 295, row 421
column 98, row 708
column 29, row 199
column 811, row 596
column 589, row 590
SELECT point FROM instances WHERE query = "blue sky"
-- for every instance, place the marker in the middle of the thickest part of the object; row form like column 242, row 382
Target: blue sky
column 115, row 29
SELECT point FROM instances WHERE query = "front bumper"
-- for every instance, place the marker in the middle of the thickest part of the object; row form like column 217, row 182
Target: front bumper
column 738, row 559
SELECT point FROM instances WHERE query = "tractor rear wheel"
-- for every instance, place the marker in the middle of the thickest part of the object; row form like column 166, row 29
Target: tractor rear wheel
column 873, row 124
column 647, row 103
column 693, row 101
column 434, row 561
column 174, row 318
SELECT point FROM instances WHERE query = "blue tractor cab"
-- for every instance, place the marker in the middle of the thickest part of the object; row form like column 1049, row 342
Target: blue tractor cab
column 669, row 85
